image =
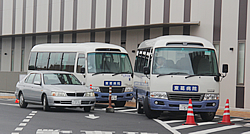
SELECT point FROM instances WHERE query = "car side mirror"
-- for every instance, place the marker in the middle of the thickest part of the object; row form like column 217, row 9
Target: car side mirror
column 37, row 82
column 83, row 70
column 225, row 68
column 83, row 83
column 146, row 70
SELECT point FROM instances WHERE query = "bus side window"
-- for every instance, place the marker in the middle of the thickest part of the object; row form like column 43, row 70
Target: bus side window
column 55, row 61
column 68, row 62
column 80, row 64
column 42, row 61
column 32, row 61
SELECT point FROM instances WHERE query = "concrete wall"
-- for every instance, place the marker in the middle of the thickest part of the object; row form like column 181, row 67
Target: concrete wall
column 8, row 81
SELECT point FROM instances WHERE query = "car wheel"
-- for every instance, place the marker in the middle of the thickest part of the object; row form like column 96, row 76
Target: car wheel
column 120, row 103
column 22, row 102
column 148, row 112
column 45, row 103
column 209, row 116
column 87, row 109
column 139, row 108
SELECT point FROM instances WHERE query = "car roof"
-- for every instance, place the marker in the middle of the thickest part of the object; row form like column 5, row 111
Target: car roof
column 50, row 71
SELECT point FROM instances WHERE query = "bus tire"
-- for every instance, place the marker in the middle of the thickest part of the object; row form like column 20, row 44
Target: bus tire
column 120, row 103
column 139, row 108
column 208, row 116
column 148, row 112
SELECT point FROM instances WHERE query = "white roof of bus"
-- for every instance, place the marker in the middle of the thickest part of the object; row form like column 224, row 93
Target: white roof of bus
column 163, row 40
column 74, row 47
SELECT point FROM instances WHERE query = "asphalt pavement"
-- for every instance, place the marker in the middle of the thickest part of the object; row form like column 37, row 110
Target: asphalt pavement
column 243, row 113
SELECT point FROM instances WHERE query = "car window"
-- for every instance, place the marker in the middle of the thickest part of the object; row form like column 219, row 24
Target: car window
column 37, row 78
column 60, row 78
column 30, row 78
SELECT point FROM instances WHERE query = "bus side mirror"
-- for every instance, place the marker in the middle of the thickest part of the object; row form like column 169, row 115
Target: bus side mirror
column 83, row 70
column 225, row 68
column 146, row 70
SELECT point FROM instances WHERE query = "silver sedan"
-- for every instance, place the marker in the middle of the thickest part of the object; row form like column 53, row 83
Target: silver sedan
column 54, row 89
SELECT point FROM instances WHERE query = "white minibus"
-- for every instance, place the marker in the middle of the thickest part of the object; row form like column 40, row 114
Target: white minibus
column 170, row 70
column 97, row 65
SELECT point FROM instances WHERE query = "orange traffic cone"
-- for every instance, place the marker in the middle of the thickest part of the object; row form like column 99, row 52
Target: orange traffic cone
column 190, row 115
column 17, row 101
column 226, row 115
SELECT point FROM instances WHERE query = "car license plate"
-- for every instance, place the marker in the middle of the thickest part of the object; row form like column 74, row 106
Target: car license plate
column 183, row 107
column 114, row 97
column 76, row 102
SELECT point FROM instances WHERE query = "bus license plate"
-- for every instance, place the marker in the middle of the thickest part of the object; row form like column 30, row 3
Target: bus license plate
column 183, row 107
column 76, row 102
column 114, row 97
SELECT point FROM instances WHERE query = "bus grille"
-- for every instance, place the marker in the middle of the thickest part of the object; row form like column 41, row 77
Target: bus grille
column 185, row 97
column 114, row 89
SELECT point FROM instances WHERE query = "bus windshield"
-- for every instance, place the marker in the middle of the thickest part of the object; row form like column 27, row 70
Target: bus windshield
column 185, row 61
column 117, row 63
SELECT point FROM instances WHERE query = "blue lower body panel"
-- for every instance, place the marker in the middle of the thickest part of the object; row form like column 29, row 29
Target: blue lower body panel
column 198, row 106
column 104, row 97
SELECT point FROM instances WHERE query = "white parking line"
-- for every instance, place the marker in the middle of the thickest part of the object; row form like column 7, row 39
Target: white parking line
column 173, row 121
column 216, row 129
column 96, row 132
column 167, row 126
column 127, row 110
column 189, row 126
column 22, row 124
column 9, row 104
column 26, row 120
column 19, row 129
column 246, row 132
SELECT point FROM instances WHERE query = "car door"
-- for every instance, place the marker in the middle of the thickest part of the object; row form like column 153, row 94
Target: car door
column 28, row 86
column 36, row 89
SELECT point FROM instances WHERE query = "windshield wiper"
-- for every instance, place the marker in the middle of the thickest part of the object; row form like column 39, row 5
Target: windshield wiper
column 208, row 74
column 122, row 73
column 101, row 73
column 173, row 73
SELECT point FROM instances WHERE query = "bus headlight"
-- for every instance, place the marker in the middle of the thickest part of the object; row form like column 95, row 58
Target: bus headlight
column 128, row 89
column 96, row 89
column 211, row 97
column 89, row 94
column 161, row 95
column 60, row 94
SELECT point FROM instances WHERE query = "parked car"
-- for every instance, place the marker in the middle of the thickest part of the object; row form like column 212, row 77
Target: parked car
column 54, row 89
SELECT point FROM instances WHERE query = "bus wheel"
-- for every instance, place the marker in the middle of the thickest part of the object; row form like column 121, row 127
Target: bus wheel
column 139, row 108
column 209, row 116
column 120, row 103
column 150, row 113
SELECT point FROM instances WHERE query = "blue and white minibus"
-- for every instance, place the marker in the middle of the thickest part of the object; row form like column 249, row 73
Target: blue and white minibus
column 170, row 70
column 97, row 65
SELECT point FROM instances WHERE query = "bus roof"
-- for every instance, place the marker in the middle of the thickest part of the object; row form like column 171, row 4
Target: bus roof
column 77, row 47
column 162, row 41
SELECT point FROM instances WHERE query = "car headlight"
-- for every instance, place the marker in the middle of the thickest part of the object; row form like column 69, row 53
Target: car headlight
column 211, row 97
column 128, row 89
column 161, row 95
column 61, row 94
column 89, row 94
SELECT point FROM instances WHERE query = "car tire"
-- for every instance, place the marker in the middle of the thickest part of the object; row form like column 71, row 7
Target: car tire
column 45, row 103
column 148, row 112
column 208, row 116
column 120, row 103
column 22, row 102
column 139, row 108
column 87, row 109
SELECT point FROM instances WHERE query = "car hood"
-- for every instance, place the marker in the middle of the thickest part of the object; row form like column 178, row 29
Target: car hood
column 67, row 88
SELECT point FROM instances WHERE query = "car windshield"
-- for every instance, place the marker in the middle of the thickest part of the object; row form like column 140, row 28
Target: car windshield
column 185, row 61
column 109, row 63
column 60, row 78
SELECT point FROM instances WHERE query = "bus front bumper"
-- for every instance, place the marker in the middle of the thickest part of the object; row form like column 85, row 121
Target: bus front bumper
column 104, row 97
column 198, row 106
